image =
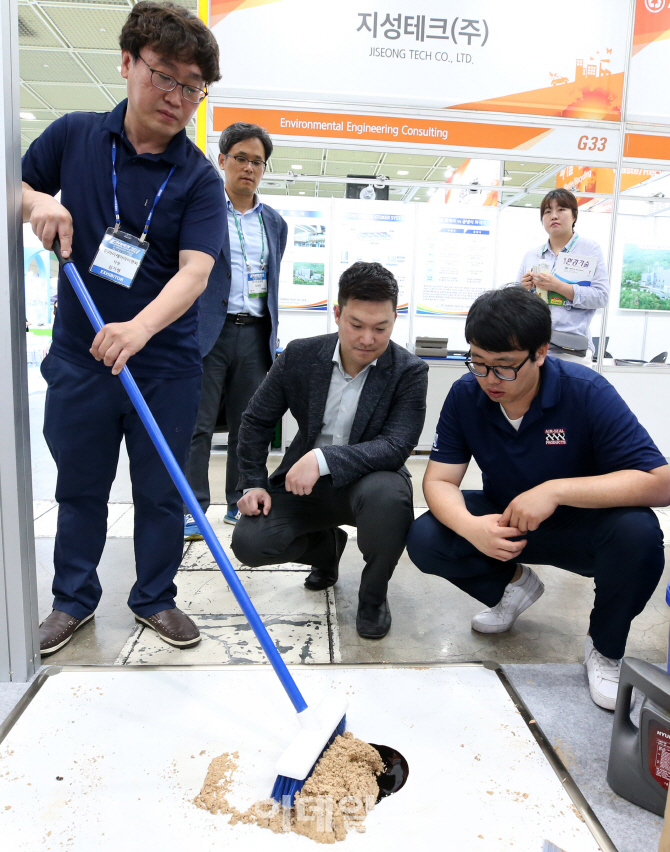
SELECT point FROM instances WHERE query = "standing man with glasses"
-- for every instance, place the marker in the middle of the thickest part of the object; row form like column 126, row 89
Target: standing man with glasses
column 238, row 311
column 127, row 176
column 569, row 475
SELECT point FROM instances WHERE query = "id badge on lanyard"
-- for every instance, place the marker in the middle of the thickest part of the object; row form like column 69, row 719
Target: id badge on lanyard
column 120, row 255
column 257, row 283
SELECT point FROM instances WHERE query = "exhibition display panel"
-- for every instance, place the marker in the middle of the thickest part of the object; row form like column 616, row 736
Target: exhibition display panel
column 582, row 107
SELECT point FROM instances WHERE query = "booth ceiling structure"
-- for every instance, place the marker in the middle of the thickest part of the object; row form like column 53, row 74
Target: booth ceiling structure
column 69, row 60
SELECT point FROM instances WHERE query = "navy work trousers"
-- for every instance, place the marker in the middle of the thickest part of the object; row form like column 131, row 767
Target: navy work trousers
column 87, row 414
column 622, row 549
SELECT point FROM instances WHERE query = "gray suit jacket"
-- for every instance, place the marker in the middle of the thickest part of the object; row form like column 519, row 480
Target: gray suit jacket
column 214, row 301
column 386, row 427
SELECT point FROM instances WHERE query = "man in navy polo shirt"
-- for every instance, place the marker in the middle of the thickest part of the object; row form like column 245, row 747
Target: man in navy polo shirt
column 134, row 174
column 568, row 476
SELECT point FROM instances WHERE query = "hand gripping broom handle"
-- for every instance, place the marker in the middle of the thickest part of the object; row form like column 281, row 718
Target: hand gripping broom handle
column 187, row 494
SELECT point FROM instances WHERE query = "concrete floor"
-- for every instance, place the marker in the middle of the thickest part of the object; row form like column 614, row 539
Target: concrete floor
column 431, row 622
column 431, row 618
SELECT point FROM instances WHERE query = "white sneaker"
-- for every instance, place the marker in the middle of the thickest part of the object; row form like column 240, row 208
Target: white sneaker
column 516, row 598
column 603, row 675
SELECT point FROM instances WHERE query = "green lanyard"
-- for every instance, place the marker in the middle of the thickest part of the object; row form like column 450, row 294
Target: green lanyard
column 241, row 236
column 571, row 243
column 565, row 249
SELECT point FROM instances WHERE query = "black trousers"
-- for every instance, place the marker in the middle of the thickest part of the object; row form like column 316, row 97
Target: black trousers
column 300, row 529
column 86, row 417
column 622, row 549
column 232, row 372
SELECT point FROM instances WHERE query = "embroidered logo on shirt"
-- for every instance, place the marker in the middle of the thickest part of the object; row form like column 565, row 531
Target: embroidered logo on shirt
column 435, row 447
column 554, row 436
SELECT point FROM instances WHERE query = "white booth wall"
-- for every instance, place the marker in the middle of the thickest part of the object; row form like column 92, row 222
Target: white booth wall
column 518, row 229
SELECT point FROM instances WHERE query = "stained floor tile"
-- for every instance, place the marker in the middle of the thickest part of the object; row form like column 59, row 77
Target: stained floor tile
column 229, row 639
column 277, row 592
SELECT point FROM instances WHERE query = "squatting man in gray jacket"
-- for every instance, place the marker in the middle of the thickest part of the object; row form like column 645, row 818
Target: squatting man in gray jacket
column 360, row 402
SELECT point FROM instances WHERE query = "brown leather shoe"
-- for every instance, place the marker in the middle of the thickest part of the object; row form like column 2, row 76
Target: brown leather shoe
column 57, row 629
column 173, row 626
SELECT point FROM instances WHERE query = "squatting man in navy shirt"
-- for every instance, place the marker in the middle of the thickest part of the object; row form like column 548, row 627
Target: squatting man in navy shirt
column 568, row 476
column 124, row 175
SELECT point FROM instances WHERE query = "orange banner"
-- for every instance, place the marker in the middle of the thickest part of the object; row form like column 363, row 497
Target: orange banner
column 331, row 125
column 639, row 146
column 585, row 179
column 599, row 179
column 652, row 23
column 220, row 8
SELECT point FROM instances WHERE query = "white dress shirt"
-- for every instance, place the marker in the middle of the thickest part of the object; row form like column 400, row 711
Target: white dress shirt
column 344, row 393
column 239, row 301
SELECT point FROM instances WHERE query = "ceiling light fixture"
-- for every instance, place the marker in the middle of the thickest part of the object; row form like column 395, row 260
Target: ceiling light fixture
column 28, row 116
column 507, row 175
column 118, row 68
column 401, row 172
column 296, row 167
column 527, row 205
column 300, row 193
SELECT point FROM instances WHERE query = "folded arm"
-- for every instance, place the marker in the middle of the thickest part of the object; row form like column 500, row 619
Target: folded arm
column 607, row 491
column 441, row 487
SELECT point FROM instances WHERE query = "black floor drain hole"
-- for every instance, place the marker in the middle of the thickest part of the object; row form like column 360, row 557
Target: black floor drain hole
column 395, row 771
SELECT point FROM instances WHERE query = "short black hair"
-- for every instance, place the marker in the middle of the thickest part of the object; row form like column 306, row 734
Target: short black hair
column 240, row 131
column 369, row 282
column 173, row 33
column 564, row 198
column 511, row 318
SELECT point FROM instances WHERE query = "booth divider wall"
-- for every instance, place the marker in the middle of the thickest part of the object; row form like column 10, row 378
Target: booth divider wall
column 19, row 646
column 588, row 99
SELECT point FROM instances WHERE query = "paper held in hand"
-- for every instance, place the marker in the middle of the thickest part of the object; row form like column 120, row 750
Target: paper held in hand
column 572, row 269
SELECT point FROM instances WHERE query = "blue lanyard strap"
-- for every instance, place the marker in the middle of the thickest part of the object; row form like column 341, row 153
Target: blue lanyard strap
column 117, row 217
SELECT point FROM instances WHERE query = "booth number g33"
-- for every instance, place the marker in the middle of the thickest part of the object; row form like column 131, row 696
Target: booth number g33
column 592, row 143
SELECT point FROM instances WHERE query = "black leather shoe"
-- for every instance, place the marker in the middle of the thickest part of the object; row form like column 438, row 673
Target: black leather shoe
column 321, row 578
column 373, row 621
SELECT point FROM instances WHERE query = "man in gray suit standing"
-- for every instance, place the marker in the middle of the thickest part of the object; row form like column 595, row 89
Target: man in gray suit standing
column 360, row 402
column 238, row 311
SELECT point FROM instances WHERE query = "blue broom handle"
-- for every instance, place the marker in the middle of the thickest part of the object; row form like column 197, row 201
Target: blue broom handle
column 187, row 494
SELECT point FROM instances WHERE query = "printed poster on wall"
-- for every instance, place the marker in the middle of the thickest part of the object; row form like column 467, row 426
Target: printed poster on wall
column 375, row 231
column 645, row 277
column 304, row 275
column 456, row 251
column 648, row 96
column 428, row 53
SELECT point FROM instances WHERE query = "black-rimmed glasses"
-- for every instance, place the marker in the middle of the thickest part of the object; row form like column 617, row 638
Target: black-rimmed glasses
column 505, row 374
column 242, row 161
column 166, row 83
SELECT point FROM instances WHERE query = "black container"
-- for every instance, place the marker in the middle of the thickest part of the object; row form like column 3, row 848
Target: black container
column 639, row 763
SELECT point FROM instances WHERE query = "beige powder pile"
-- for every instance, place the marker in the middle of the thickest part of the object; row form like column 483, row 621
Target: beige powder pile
column 334, row 800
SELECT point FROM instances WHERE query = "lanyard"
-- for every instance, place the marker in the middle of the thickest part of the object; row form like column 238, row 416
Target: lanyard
column 566, row 248
column 241, row 236
column 571, row 243
column 117, row 217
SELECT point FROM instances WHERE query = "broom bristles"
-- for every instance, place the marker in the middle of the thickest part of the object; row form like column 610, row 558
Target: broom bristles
column 290, row 786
